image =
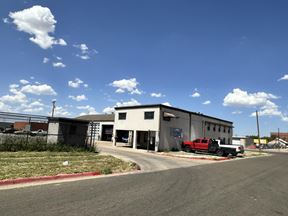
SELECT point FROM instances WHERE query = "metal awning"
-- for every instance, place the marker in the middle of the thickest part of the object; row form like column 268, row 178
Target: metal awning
column 169, row 115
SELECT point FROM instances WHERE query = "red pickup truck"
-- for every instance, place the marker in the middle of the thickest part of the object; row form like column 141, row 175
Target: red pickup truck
column 212, row 146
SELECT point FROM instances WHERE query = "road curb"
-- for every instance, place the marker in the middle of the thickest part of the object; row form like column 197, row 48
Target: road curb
column 197, row 158
column 47, row 178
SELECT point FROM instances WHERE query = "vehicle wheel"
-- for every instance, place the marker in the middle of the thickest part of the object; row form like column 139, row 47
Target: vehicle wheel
column 234, row 154
column 220, row 152
column 187, row 149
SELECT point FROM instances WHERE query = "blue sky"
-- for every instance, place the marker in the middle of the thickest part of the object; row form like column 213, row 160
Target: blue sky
column 220, row 58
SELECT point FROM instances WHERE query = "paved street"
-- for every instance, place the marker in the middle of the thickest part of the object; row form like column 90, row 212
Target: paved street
column 256, row 186
column 148, row 161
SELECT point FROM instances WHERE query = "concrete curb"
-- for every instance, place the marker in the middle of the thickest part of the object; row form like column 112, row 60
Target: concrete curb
column 47, row 178
column 197, row 158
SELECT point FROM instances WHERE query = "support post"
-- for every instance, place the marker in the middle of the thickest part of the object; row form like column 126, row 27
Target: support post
column 135, row 140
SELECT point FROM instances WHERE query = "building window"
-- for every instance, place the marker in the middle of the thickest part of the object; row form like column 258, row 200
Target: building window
column 219, row 129
column 208, row 127
column 214, row 128
column 122, row 116
column 224, row 130
column 228, row 130
column 149, row 115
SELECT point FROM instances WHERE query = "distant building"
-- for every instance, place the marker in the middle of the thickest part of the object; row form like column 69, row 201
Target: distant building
column 283, row 136
column 68, row 131
column 262, row 141
column 242, row 140
column 30, row 126
column 100, row 126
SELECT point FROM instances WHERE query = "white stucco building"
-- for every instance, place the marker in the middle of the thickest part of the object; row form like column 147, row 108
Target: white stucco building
column 159, row 127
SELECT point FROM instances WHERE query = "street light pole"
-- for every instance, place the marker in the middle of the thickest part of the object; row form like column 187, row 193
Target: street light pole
column 53, row 108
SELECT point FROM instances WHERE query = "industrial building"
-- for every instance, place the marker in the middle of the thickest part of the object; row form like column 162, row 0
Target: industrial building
column 159, row 127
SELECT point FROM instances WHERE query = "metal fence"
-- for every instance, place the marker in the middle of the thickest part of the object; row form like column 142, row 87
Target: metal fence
column 26, row 128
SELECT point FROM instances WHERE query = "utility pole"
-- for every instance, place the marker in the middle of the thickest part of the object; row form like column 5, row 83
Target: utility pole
column 278, row 136
column 258, row 130
column 53, row 107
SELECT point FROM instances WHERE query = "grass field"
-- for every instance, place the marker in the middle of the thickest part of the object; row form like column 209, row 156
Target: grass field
column 27, row 164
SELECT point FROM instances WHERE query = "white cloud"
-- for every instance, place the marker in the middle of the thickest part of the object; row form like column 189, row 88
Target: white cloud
column 108, row 110
column 5, row 20
column 89, row 110
column 32, row 78
column 24, row 82
column 269, row 109
column 60, row 111
column 39, row 22
column 45, row 60
column 195, row 94
column 206, row 102
column 237, row 112
column 126, row 85
column 17, row 97
column 59, row 64
column 13, row 86
column 285, row 77
column 43, row 89
column 78, row 97
column 58, row 58
column 157, row 95
column 239, row 98
column 132, row 102
column 85, row 52
column 167, row 104
column 77, row 83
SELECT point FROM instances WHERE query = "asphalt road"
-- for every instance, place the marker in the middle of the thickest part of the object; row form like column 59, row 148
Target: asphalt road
column 257, row 186
column 149, row 161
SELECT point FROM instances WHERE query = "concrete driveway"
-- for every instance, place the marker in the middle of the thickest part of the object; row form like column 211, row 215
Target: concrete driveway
column 148, row 161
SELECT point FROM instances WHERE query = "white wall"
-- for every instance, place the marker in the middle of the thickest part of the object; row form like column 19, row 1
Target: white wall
column 53, row 130
column 135, row 120
column 167, row 140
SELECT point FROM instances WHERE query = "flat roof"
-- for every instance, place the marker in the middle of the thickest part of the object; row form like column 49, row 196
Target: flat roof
column 98, row 117
column 169, row 107
column 62, row 119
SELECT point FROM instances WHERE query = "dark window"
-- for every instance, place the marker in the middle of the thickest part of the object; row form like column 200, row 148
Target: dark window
column 224, row 129
column 72, row 130
column 149, row 115
column 122, row 116
column 204, row 141
column 228, row 130
column 214, row 128
column 166, row 118
column 208, row 128
column 197, row 140
column 219, row 129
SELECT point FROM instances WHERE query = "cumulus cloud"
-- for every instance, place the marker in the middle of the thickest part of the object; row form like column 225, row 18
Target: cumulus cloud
column 77, row 83
column 206, row 102
column 59, row 64
column 23, row 81
column 240, row 98
column 78, row 97
column 126, row 85
column 16, row 98
column 61, row 112
column 5, row 20
column 259, row 100
column 86, row 53
column 237, row 112
column 157, row 95
column 132, row 102
column 167, row 104
column 43, row 89
column 45, row 60
column 285, row 77
column 39, row 22
column 195, row 94
column 88, row 110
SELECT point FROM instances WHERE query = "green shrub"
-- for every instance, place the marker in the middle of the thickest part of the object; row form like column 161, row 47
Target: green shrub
column 106, row 170
column 13, row 144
